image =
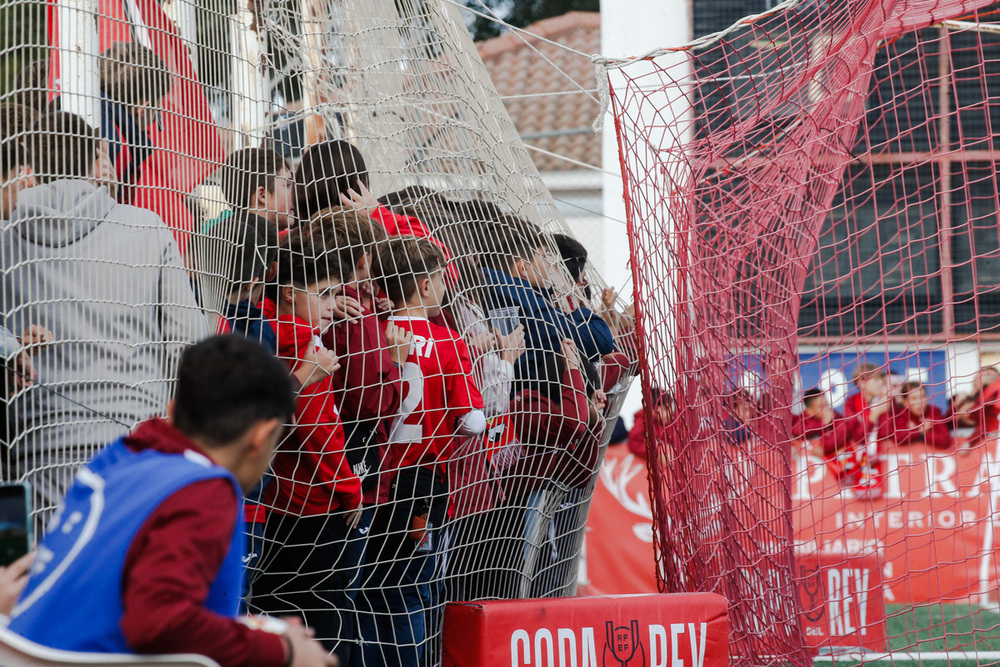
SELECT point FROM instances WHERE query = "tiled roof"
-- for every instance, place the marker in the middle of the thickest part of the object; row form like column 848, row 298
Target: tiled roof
column 517, row 69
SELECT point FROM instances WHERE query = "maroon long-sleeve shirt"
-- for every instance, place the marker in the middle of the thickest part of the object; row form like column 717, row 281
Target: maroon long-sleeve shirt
column 367, row 386
column 554, row 438
column 173, row 561
column 904, row 428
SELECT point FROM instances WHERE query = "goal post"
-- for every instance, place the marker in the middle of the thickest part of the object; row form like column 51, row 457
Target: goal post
column 832, row 227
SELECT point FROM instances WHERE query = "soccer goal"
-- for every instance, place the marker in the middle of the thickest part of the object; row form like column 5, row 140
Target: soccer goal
column 264, row 149
column 812, row 200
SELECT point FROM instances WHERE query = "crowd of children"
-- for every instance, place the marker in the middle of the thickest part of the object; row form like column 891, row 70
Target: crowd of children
column 882, row 413
column 450, row 365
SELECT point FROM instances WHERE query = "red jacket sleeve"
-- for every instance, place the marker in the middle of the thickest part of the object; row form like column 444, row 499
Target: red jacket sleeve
column 367, row 385
column 538, row 421
column 938, row 436
column 842, row 434
column 322, row 444
column 463, row 394
column 637, row 436
column 170, row 566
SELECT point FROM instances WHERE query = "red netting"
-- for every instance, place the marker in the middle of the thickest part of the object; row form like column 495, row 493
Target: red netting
column 809, row 192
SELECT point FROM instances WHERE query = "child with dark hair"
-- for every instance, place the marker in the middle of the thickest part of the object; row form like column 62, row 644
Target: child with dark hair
column 31, row 86
column 544, row 434
column 574, row 257
column 257, row 182
column 442, row 408
column 917, row 420
column 134, row 81
column 333, row 173
column 233, row 259
column 495, row 345
column 367, row 386
column 817, row 417
column 160, row 550
column 237, row 254
column 547, row 446
column 314, row 498
column 517, row 267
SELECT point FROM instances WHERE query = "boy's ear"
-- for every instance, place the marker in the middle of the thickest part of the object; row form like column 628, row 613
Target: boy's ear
column 424, row 287
column 260, row 198
column 287, row 293
column 517, row 268
column 363, row 264
column 261, row 435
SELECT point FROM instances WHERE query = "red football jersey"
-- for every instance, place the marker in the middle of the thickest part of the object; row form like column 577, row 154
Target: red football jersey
column 438, row 389
column 311, row 473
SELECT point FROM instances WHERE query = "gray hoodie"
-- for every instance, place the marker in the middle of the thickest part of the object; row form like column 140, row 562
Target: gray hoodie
column 107, row 279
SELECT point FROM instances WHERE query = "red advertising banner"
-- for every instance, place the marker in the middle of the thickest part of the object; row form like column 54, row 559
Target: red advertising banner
column 933, row 529
column 618, row 549
column 678, row 630
column 842, row 601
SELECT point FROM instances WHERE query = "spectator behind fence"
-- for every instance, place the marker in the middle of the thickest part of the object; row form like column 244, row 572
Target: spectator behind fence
column 544, row 435
column 134, row 81
column 108, row 281
column 314, row 499
column 556, row 567
column 915, row 421
column 975, row 411
column 494, row 350
column 333, row 173
column 817, row 416
column 551, row 434
column 31, row 86
column 257, row 183
column 15, row 170
column 144, row 553
column 367, row 386
column 442, row 408
column 870, row 401
column 234, row 258
column 517, row 267
column 662, row 414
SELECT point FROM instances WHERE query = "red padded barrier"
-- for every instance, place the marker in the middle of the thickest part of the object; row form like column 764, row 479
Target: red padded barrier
column 842, row 601
column 669, row 630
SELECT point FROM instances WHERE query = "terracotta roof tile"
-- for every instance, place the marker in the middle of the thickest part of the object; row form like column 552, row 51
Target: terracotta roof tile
column 517, row 69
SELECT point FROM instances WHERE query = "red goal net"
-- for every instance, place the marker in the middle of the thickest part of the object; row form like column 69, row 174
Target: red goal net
column 813, row 207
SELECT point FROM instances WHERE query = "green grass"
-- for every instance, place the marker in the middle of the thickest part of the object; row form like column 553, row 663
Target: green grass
column 935, row 628
column 938, row 629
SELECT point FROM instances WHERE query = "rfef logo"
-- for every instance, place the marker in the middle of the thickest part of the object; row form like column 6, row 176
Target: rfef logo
column 624, row 646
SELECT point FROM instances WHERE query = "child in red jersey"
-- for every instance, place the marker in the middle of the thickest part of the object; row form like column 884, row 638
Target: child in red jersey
column 544, row 436
column 367, row 387
column 817, row 418
column 869, row 403
column 314, row 497
column 917, row 421
column 441, row 406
